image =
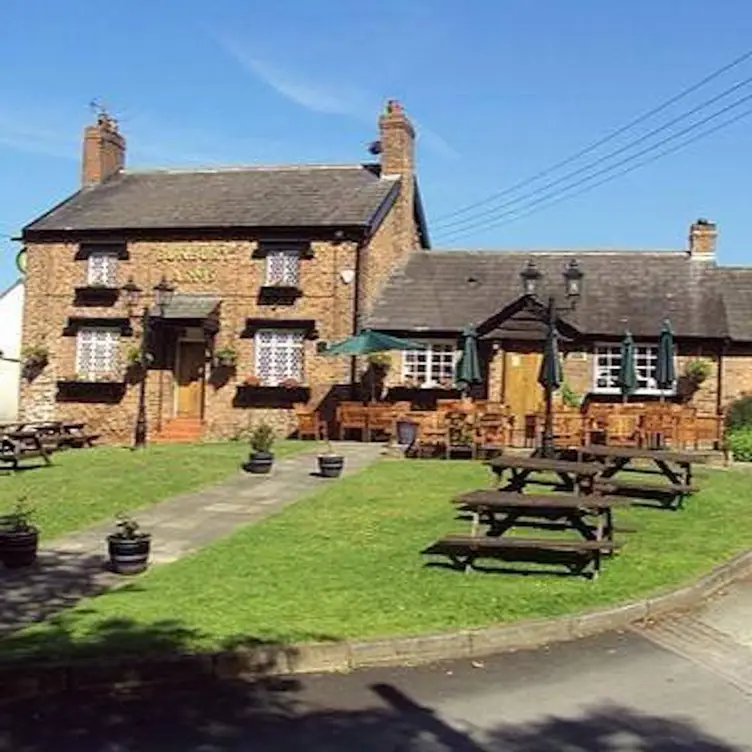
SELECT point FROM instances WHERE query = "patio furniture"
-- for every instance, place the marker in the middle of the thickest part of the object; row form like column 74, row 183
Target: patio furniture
column 576, row 477
column 493, row 432
column 674, row 466
column 17, row 446
column 380, row 419
column 591, row 517
column 310, row 423
column 352, row 416
column 75, row 435
column 460, row 433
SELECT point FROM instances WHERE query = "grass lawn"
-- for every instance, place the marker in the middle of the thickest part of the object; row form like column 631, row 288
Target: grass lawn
column 84, row 486
column 346, row 564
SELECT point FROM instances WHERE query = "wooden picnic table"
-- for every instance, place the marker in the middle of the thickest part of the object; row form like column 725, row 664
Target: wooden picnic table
column 19, row 445
column 591, row 516
column 576, row 476
column 675, row 466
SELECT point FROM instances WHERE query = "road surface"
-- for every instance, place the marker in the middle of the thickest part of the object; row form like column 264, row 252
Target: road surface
column 685, row 684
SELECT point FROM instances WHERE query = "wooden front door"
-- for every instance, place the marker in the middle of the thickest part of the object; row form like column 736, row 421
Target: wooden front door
column 522, row 392
column 190, row 379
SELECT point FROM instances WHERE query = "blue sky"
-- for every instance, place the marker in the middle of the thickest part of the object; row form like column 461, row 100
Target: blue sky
column 500, row 89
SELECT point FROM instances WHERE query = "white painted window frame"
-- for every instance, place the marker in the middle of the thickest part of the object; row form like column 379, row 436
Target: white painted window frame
column 613, row 349
column 296, row 339
column 432, row 347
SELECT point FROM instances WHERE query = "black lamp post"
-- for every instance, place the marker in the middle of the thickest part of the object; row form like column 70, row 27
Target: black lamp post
column 573, row 287
column 163, row 293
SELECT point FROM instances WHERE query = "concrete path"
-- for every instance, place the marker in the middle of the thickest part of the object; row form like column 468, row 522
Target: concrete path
column 71, row 568
column 619, row 692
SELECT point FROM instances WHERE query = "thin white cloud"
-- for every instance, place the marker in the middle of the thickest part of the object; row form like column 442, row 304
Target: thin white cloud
column 17, row 135
column 322, row 97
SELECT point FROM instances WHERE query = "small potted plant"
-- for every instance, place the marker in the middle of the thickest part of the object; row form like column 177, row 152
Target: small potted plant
column 330, row 463
column 128, row 547
column 226, row 357
column 34, row 358
column 261, row 459
column 19, row 539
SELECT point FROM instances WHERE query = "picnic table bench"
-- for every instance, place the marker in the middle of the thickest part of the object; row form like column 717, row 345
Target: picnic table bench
column 675, row 466
column 74, row 435
column 503, row 510
column 577, row 476
column 16, row 446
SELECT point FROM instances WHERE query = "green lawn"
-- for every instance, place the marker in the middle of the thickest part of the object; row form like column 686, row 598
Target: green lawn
column 84, row 486
column 346, row 564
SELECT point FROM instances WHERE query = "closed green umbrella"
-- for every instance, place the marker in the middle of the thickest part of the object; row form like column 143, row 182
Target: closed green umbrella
column 665, row 373
column 550, row 375
column 627, row 379
column 468, row 371
column 370, row 341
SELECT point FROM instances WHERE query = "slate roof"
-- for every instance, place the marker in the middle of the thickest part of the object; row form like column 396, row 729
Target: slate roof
column 263, row 197
column 635, row 290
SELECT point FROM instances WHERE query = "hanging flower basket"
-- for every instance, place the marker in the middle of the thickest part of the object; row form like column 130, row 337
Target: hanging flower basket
column 226, row 357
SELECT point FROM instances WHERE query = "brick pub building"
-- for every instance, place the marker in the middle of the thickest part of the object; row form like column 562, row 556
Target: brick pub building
column 269, row 264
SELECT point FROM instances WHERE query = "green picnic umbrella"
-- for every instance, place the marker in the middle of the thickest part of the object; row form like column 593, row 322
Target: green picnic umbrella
column 550, row 375
column 468, row 371
column 665, row 373
column 627, row 378
column 371, row 341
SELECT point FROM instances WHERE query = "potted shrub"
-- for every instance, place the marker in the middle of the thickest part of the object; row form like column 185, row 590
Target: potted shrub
column 34, row 358
column 226, row 357
column 330, row 463
column 261, row 459
column 128, row 547
column 19, row 539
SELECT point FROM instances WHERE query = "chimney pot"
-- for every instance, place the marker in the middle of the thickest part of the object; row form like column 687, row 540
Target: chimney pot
column 103, row 150
column 703, row 235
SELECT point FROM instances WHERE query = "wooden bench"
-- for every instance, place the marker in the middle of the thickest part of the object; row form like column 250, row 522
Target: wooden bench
column 499, row 499
column 463, row 550
column 669, row 494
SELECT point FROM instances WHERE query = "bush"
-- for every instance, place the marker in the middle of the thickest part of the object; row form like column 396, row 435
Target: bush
column 740, row 444
column 698, row 370
column 739, row 414
column 262, row 438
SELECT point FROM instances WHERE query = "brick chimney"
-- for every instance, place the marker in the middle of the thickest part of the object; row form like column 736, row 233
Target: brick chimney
column 397, row 148
column 702, row 239
column 104, row 151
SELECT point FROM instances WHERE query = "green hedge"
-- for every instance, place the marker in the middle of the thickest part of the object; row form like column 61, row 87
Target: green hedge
column 740, row 444
column 739, row 414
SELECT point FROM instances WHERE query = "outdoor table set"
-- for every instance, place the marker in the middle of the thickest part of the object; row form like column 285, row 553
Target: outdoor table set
column 25, row 441
column 577, row 516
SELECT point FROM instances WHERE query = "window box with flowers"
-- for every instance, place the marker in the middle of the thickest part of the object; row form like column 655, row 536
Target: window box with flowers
column 252, row 392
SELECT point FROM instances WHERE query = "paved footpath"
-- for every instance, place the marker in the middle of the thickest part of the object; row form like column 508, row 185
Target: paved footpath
column 72, row 567
column 634, row 691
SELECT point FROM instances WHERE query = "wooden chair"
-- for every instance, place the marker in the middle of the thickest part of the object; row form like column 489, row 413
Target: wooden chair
column 493, row 432
column 460, row 433
column 623, row 429
column 568, row 427
column 310, row 423
column 352, row 416
column 658, row 428
column 380, row 420
column 432, row 432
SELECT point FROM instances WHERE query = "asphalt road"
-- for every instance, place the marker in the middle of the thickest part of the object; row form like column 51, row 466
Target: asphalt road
column 685, row 685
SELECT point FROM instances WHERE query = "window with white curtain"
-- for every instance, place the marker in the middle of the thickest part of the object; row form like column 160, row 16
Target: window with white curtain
column 97, row 352
column 606, row 364
column 102, row 269
column 430, row 367
column 279, row 355
column 283, row 267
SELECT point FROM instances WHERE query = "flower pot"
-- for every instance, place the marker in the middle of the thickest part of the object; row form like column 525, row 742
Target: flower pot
column 407, row 432
column 18, row 548
column 129, row 555
column 260, row 463
column 330, row 465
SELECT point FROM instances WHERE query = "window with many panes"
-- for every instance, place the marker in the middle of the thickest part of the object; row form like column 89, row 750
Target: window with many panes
column 283, row 267
column 279, row 356
column 606, row 363
column 97, row 352
column 433, row 366
column 102, row 269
